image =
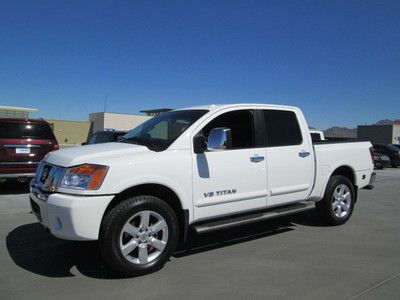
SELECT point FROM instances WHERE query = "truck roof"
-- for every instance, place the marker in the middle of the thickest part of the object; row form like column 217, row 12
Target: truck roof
column 221, row 106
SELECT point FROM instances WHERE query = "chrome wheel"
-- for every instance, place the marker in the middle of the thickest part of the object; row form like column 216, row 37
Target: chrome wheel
column 143, row 237
column 341, row 201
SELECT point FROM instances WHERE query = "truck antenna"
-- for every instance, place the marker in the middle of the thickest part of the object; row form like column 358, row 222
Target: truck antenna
column 105, row 104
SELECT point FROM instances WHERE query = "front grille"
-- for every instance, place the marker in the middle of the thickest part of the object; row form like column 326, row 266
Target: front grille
column 36, row 209
column 45, row 173
column 48, row 176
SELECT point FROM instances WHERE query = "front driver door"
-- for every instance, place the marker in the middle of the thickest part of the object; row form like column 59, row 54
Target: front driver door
column 231, row 180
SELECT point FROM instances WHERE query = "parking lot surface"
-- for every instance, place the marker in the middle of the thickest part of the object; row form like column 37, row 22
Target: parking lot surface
column 293, row 257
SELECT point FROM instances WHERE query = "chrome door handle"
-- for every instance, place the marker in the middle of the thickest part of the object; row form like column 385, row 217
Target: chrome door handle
column 303, row 154
column 256, row 158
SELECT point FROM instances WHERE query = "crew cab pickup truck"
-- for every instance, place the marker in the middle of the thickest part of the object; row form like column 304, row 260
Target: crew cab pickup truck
column 202, row 168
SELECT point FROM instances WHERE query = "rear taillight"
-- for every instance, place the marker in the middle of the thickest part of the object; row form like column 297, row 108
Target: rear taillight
column 56, row 147
column 397, row 154
column 371, row 151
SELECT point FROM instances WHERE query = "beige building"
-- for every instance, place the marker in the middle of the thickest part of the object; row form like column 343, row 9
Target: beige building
column 102, row 121
column 70, row 133
column 15, row 112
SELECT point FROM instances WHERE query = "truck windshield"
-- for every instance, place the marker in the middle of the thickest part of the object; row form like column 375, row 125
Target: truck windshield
column 160, row 132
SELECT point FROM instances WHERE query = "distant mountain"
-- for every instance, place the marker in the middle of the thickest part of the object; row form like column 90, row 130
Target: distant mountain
column 387, row 122
column 384, row 122
column 341, row 132
column 344, row 132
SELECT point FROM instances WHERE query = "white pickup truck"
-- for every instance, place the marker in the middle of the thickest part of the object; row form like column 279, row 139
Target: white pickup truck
column 203, row 168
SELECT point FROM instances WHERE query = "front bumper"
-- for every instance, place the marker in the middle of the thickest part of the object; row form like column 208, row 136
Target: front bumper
column 70, row 217
column 17, row 175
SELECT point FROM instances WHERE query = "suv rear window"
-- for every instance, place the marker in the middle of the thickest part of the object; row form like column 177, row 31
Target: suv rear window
column 11, row 130
column 104, row 137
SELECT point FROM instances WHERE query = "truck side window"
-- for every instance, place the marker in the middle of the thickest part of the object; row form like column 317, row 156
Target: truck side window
column 282, row 128
column 104, row 137
column 240, row 123
column 93, row 138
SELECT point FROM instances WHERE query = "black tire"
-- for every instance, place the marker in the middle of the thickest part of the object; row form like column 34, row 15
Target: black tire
column 325, row 208
column 393, row 165
column 111, row 228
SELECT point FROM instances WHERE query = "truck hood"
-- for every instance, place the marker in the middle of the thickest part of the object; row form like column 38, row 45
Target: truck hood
column 93, row 153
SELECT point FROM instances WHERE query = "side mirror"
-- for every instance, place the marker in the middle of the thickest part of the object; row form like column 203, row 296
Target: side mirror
column 219, row 139
column 199, row 144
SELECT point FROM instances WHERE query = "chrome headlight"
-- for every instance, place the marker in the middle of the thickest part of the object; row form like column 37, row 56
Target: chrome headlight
column 84, row 177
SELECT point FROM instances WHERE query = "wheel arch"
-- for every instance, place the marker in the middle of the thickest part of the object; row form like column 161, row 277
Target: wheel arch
column 161, row 191
column 349, row 173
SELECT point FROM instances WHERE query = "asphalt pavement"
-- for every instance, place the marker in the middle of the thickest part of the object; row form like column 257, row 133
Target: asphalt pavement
column 295, row 257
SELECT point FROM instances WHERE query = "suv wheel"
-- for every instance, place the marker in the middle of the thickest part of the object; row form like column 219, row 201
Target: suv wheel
column 338, row 203
column 138, row 235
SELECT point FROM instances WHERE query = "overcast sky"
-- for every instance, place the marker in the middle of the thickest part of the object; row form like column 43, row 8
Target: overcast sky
column 337, row 60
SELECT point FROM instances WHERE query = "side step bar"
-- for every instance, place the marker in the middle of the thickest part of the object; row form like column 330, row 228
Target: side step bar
column 236, row 220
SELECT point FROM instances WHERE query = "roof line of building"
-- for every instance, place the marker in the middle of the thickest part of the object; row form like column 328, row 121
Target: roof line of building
column 14, row 108
column 67, row 120
column 115, row 113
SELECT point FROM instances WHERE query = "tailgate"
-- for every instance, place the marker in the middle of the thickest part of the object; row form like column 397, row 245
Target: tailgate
column 24, row 151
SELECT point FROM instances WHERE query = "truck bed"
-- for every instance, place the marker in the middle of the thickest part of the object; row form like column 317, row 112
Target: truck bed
column 329, row 155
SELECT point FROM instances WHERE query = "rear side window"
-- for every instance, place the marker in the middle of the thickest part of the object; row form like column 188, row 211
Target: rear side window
column 104, row 137
column 392, row 148
column 92, row 139
column 10, row 130
column 282, row 128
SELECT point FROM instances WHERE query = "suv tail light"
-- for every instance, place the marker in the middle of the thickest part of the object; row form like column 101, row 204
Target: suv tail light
column 371, row 151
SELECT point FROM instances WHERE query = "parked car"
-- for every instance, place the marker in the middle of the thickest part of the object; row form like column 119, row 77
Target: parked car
column 391, row 151
column 380, row 160
column 105, row 136
column 23, row 144
column 206, row 168
column 396, row 145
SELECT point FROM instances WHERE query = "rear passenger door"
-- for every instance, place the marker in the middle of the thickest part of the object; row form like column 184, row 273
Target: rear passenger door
column 289, row 157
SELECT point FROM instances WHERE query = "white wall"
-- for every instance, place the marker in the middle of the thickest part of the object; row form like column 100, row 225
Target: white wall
column 97, row 120
column 396, row 134
column 115, row 121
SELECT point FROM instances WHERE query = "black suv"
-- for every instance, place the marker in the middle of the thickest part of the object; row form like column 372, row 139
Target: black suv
column 391, row 151
column 105, row 136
